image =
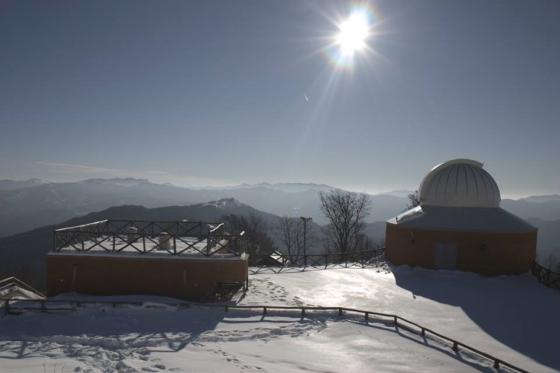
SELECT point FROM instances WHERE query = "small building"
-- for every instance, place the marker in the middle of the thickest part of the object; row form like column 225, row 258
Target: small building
column 459, row 224
column 274, row 259
column 13, row 288
column 182, row 259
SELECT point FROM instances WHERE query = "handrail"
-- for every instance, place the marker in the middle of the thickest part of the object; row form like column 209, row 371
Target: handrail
column 75, row 227
column 217, row 227
column 423, row 331
column 134, row 221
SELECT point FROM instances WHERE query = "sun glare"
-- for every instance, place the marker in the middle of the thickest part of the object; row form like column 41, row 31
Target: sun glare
column 353, row 33
column 351, row 37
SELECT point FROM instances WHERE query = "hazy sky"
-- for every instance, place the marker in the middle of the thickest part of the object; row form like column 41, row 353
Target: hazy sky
column 226, row 92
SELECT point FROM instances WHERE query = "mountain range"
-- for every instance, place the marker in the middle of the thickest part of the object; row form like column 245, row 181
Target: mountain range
column 29, row 204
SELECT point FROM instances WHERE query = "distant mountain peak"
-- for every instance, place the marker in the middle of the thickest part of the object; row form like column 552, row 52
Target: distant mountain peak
column 224, row 203
column 287, row 187
column 121, row 181
column 8, row 184
column 32, row 180
column 542, row 199
column 398, row 193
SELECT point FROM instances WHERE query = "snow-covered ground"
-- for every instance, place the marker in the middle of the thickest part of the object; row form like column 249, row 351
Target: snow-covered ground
column 511, row 317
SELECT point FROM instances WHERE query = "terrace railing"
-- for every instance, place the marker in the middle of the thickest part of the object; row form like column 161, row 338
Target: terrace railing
column 171, row 237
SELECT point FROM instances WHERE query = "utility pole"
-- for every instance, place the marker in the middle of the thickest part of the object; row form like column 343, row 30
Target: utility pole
column 305, row 220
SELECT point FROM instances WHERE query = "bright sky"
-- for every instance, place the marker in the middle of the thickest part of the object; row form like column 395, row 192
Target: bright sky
column 367, row 97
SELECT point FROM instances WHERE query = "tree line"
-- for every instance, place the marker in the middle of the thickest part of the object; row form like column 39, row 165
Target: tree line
column 344, row 234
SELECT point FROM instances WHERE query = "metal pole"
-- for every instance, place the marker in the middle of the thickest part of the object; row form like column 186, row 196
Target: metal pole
column 305, row 220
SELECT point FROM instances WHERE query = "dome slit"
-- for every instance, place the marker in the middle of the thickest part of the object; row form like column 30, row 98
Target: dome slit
column 464, row 168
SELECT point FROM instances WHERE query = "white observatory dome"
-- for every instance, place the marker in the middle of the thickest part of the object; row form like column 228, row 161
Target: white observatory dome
column 459, row 183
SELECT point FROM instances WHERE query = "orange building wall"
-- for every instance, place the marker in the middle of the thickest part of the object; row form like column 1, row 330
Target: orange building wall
column 485, row 253
column 186, row 278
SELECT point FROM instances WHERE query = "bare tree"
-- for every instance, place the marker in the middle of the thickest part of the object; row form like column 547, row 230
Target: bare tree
column 256, row 240
column 367, row 244
column 413, row 200
column 346, row 212
column 291, row 234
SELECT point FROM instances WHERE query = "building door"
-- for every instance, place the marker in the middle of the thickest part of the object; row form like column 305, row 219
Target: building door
column 75, row 278
column 446, row 256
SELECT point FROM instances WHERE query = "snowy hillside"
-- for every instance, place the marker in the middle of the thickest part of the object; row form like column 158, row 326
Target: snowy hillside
column 511, row 317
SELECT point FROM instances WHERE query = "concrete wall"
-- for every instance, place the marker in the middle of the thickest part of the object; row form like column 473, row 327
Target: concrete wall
column 186, row 278
column 485, row 253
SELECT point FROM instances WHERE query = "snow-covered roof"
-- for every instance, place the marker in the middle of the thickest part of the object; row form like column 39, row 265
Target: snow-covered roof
column 459, row 183
column 467, row 219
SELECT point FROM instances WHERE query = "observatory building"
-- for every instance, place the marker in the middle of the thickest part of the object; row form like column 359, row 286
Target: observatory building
column 459, row 225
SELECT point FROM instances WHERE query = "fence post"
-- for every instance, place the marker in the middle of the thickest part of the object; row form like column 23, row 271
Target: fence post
column 340, row 312
column 366, row 316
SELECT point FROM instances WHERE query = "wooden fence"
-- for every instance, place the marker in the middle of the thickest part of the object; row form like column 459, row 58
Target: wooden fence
column 16, row 306
column 278, row 262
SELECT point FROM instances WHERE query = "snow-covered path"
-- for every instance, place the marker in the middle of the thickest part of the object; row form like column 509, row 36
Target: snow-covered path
column 510, row 317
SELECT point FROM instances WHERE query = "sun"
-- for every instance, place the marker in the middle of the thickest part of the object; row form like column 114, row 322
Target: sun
column 350, row 41
column 353, row 33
